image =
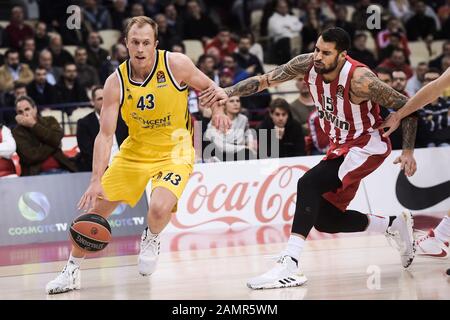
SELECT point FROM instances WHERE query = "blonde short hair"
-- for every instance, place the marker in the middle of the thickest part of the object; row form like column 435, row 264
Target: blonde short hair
column 141, row 21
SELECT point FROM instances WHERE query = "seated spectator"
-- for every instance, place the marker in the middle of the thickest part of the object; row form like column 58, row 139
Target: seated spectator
column 229, row 65
column 416, row 82
column 119, row 54
column 166, row 36
column 399, row 8
column 342, row 22
column 255, row 48
column 42, row 92
column 119, row 12
column 246, row 60
column 20, row 89
column 152, row 8
column 13, row 71
column 282, row 27
column 174, row 20
column 69, row 89
column 394, row 43
column 96, row 55
column 178, row 47
column 207, row 65
column 238, row 143
column 311, row 30
column 7, row 149
column 223, row 42
column 302, row 107
column 29, row 54
column 88, row 128
column 137, row 9
column 360, row 52
column 320, row 140
column 420, row 26
column 87, row 74
column 399, row 82
column 397, row 61
column 437, row 62
column 41, row 37
column 259, row 101
column 198, row 25
column 96, row 17
column 17, row 31
column 59, row 54
column 432, row 130
column 282, row 129
column 394, row 25
column 38, row 141
column 46, row 62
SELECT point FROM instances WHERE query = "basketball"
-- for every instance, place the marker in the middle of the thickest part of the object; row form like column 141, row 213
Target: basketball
column 90, row 232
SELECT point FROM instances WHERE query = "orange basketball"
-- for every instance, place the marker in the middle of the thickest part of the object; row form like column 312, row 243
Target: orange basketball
column 90, row 232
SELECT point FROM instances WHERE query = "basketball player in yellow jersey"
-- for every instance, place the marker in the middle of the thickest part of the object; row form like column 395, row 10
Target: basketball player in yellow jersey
column 150, row 91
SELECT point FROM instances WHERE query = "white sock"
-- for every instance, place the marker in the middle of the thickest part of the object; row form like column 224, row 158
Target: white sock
column 150, row 233
column 75, row 260
column 294, row 247
column 377, row 223
column 442, row 231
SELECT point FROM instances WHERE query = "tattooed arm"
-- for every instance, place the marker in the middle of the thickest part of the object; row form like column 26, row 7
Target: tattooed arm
column 365, row 85
column 295, row 68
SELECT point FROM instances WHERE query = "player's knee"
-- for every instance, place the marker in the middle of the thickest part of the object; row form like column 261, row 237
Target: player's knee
column 159, row 209
column 306, row 184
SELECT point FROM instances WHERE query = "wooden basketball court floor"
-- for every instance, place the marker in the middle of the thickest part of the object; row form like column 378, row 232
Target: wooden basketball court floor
column 216, row 265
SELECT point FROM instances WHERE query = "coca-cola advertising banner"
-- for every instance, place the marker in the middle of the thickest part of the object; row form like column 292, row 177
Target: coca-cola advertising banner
column 259, row 192
column 244, row 193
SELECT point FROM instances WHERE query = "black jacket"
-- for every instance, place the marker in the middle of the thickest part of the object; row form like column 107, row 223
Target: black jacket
column 48, row 96
column 291, row 145
column 87, row 130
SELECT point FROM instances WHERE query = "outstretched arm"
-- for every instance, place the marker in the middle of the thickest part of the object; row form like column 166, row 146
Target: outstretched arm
column 103, row 142
column 424, row 96
column 295, row 68
column 185, row 72
column 365, row 85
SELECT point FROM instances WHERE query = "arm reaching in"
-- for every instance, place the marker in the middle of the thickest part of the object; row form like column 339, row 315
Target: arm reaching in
column 186, row 72
column 424, row 96
column 365, row 85
column 103, row 142
column 295, row 68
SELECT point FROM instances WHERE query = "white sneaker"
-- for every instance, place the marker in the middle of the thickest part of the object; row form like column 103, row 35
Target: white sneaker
column 400, row 236
column 67, row 280
column 284, row 274
column 430, row 246
column 148, row 256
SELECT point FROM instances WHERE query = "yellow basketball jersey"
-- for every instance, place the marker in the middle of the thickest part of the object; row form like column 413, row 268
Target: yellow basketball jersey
column 156, row 110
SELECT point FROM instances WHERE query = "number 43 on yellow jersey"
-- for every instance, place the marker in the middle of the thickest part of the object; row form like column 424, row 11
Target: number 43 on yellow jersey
column 146, row 103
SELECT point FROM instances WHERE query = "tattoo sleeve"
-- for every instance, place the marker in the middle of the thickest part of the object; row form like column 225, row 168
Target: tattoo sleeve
column 368, row 86
column 295, row 68
column 409, row 129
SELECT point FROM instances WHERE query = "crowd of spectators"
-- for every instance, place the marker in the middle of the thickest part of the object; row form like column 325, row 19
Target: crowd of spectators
column 38, row 72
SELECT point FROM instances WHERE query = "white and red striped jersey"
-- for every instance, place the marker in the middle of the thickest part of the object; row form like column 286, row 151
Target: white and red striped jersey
column 342, row 120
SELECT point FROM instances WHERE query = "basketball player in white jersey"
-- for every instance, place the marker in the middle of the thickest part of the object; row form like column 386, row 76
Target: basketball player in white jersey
column 347, row 96
column 436, row 243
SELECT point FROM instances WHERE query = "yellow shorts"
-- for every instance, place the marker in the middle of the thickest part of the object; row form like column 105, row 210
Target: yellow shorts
column 126, row 179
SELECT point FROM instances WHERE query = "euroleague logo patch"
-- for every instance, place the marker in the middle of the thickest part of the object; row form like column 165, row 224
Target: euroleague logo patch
column 160, row 77
column 94, row 230
column 340, row 91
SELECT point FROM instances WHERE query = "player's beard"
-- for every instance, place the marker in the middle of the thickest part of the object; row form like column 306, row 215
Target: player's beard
column 325, row 70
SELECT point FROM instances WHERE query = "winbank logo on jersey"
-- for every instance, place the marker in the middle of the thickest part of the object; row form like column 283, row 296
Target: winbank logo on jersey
column 240, row 202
